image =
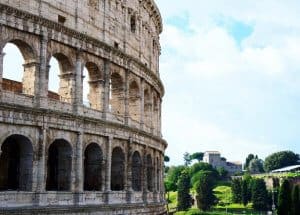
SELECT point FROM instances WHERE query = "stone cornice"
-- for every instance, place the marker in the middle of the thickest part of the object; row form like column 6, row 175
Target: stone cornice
column 83, row 37
column 153, row 10
column 74, row 117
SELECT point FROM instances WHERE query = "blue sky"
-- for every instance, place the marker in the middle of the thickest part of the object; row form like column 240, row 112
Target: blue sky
column 232, row 75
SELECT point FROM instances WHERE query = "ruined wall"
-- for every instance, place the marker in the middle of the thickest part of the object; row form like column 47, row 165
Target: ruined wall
column 70, row 155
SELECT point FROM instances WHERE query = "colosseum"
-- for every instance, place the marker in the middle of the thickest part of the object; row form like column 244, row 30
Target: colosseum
column 59, row 154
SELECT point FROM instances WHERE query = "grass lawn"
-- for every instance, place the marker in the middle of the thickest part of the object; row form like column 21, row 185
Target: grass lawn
column 172, row 200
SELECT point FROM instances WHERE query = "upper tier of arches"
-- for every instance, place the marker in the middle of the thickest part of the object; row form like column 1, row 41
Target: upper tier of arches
column 130, row 26
column 84, row 82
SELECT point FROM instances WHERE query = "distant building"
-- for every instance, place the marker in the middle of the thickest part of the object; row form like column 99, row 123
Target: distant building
column 214, row 158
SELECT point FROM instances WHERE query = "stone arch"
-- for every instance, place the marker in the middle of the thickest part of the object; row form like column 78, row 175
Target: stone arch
column 93, row 158
column 26, row 78
column 133, row 23
column 93, row 86
column 59, row 166
column 147, row 107
column 136, row 171
column 149, row 169
column 16, row 161
column 134, row 101
column 117, row 169
column 117, row 94
column 64, row 76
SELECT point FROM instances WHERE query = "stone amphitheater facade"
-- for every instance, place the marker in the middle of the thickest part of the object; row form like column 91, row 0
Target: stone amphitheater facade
column 59, row 156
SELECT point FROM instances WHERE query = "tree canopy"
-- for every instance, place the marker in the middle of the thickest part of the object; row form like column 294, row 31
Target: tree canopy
column 280, row 159
column 197, row 156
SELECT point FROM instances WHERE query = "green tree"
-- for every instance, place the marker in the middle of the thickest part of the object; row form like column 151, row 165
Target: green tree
column 246, row 189
column 236, row 187
column 187, row 159
column 198, row 175
column 256, row 166
column 197, row 156
column 166, row 158
column 204, row 189
column 222, row 172
column 259, row 195
column 280, row 159
column 173, row 176
column 248, row 159
column 284, row 199
column 201, row 166
column 295, row 200
column 184, row 197
column 245, row 195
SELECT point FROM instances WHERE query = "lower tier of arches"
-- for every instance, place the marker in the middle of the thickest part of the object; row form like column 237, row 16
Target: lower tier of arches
column 48, row 159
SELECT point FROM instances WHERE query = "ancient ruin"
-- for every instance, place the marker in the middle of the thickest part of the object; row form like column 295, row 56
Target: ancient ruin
column 60, row 155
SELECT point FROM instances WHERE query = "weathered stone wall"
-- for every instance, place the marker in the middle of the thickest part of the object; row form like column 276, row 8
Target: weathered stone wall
column 118, row 42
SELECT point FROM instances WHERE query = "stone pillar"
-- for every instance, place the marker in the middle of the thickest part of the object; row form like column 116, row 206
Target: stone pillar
column 78, row 92
column 41, row 172
column 43, row 84
column 78, row 182
column 129, row 171
column 31, row 79
column 162, row 186
column 126, row 93
column 142, row 103
column 159, row 117
column 79, row 164
column 144, row 175
column 108, row 165
column 108, row 169
column 106, row 91
column 152, row 110
column 155, row 175
column 2, row 54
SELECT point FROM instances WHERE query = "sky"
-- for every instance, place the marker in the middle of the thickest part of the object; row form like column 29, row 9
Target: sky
column 231, row 71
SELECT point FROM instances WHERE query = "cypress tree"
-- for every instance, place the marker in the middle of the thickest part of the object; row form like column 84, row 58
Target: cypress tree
column 184, row 197
column 295, row 200
column 259, row 195
column 284, row 199
column 236, row 186
column 245, row 191
column 204, row 188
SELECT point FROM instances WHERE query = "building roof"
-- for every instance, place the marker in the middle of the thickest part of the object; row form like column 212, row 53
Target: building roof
column 287, row 169
column 213, row 152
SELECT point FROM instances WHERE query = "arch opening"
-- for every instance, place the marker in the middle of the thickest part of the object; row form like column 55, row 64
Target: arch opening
column 136, row 170
column 117, row 169
column 117, row 94
column 59, row 166
column 60, row 78
column 16, row 162
column 19, row 68
column 92, row 86
column 147, row 107
column 134, row 101
column 93, row 167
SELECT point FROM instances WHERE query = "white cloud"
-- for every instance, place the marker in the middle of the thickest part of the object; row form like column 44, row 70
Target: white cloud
column 221, row 95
